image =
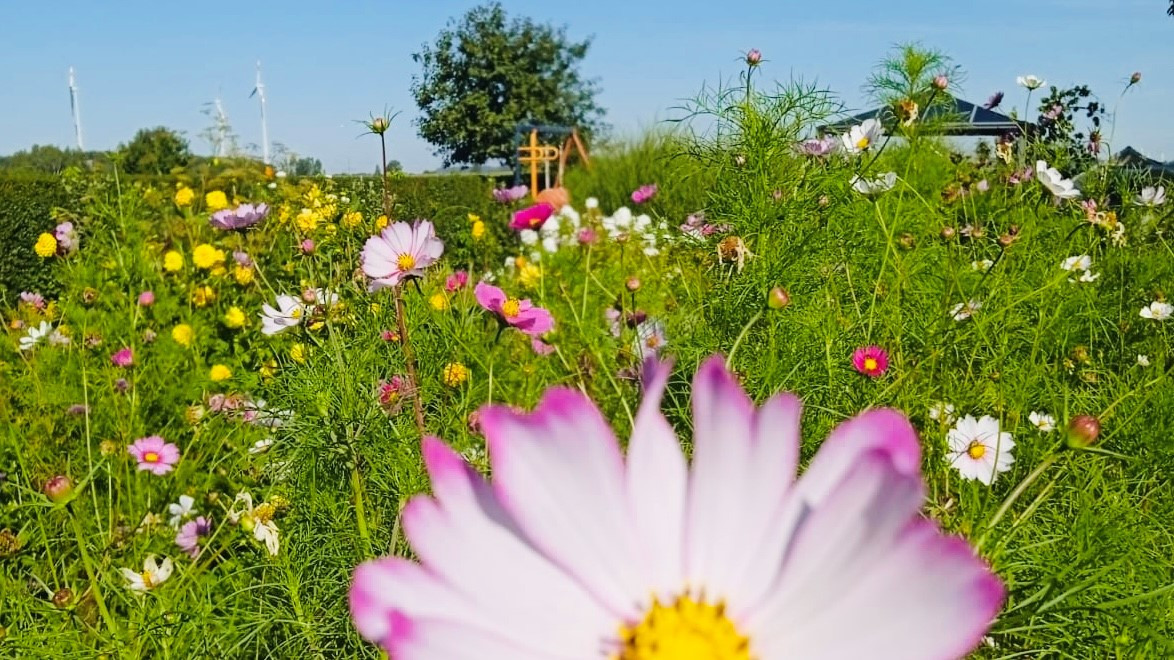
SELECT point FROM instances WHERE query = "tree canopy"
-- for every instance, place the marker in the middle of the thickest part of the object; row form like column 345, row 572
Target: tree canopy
column 486, row 71
column 154, row 151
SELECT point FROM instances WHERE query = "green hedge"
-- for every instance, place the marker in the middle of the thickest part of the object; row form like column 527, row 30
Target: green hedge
column 26, row 210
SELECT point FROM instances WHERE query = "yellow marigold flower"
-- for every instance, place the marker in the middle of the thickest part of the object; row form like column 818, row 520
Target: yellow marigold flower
column 202, row 296
column 375, row 308
column 439, row 301
column 380, row 223
column 478, row 230
column 183, row 334
column 184, row 196
column 352, row 219
column 218, row 271
column 205, row 256
column 219, row 373
column 268, row 369
column 297, row 353
column 474, row 218
column 455, row 374
column 234, row 317
column 172, row 261
column 242, row 274
column 307, row 221
column 46, row 245
column 216, row 200
column 529, row 275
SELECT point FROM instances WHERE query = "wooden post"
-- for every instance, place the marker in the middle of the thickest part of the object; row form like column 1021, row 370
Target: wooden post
column 534, row 163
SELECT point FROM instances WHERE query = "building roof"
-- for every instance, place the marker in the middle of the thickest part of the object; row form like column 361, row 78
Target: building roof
column 963, row 118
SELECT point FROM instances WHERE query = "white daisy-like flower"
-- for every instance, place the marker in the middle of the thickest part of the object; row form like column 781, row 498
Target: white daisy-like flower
column 1042, row 421
column 1157, row 310
column 550, row 244
column 963, row 311
column 260, row 517
column 59, row 338
column 528, row 237
column 1055, row 182
column 1030, row 81
column 1151, row 196
column 983, row 265
column 650, row 339
column 1080, row 262
column 35, row 334
column 1086, row 276
column 979, row 450
column 862, row 136
column 261, row 446
column 1143, row 360
column 287, row 314
column 875, row 185
column 152, row 575
column 942, row 412
column 180, row 510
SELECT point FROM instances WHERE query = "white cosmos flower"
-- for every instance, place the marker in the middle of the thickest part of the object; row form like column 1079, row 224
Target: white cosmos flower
column 528, row 236
column 875, row 185
column 1042, row 421
column 1157, row 310
column 35, row 334
column 650, row 339
column 181, row 510
column 1082, row 262
column 260, row 517
column 1055, row 182
column 324, row 297
column 591, row 203
column 286, row 315
column 942, row 412
column 979, row 449
column 1086, row 276
column 862, row 136
column 1143, row 360
column 963, row 311
column 982, row 266
column 1151, row 196
column 261, row 446
column 1030, row 82
column 152, row 575
column 550, row 244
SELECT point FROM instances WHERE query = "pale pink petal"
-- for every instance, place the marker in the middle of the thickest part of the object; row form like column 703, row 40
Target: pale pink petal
column 657, row 483
column 399, row 237
column 489, row 296
column 560, row 473
column 533, row 321
column 432, row 639
column 886, row 429
column 393, row 584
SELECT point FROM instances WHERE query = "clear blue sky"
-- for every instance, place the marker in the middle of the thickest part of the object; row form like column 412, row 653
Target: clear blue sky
column 327, row 63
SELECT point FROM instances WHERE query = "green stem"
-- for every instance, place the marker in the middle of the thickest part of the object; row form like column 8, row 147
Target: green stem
column 1015, row 494
column 360, row 509
column 91, row 574
column 741, row 336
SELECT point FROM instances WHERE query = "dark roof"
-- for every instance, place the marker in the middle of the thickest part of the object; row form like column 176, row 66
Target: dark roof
column 962, row 118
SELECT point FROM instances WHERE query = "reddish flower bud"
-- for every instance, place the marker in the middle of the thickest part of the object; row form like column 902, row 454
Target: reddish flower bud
column 778, row 298
column 633, row 284
column 59, row 488
column 1083, row 431
column 753, row 57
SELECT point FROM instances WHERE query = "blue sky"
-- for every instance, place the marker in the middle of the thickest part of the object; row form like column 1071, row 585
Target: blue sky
column 327, row 64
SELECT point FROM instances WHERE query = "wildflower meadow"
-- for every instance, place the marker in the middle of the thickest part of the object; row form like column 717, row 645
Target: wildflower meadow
column 764, row 382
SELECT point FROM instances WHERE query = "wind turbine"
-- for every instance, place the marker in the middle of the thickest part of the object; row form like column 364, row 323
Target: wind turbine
column 259, row 92
column 75, row 108
column 221, row 128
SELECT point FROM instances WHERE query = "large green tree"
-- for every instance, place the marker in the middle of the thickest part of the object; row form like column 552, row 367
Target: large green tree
column 154, row 151
column 486, row 72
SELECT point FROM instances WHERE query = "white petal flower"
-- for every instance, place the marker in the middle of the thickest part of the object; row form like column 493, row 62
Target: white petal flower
column 963, row 311
column 874, row 186
column 286, row 315
column 1081, row 262
column 979, row 450
column 528, row 236
column 650, row 338
column 1030, row 82
column 266, row 532
column 591, row 203
column 1055, row 182
column 862, row 136
column 1157, row 310
column 181, row 510
column 35, row 334
column 1042, row 421
column 1151, row 196
column 942, row 412
column 1143, row 360
column 982, row 266
column 152, row 575
column 550, row 244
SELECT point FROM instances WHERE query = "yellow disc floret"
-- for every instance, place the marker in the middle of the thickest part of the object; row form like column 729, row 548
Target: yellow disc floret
column 405, row 262
column 511, row 308
column 976, row 450
column 686, row 629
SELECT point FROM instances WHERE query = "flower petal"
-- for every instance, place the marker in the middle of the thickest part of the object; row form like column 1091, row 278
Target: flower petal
column 888, row 430
column 489, row 296
column 432, row 639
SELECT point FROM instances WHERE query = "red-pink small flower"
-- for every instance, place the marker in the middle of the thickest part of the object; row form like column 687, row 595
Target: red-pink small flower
column 521, row 314
column 872, row 361
column 456, row 281
column 532, row 217
column 154, row 454
column 124, row 357
column 540, row 347
column 644, row 193
column 390, row 392
column 146, row 299
column 587, row 236
column 389, row 335
column 308, row 246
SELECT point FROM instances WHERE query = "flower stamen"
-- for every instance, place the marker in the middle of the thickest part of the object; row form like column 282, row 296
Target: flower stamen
column 686, row 629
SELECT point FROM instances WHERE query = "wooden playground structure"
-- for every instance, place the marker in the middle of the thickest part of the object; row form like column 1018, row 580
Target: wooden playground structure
column 534, row 154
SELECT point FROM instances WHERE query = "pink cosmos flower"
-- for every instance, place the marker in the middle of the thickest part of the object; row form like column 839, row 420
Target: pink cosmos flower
column 872, row 361
column 587, row 236
column 532, row 217
column 644, row 193
column 391, row 392
column 540, row 347
column 731, row 554
column 510, row 195
column 456, row 281
column 123, row 357
column 190, row 533
column 154, row 454
column 401, row 251
column 308, row 246
column 240, row 218
column 146, row 299
column 521, row 314
column 33, row 299
column 818, row 146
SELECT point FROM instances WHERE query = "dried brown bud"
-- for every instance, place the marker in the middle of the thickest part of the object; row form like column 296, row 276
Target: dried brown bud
column 948, row 233
column 62, row 598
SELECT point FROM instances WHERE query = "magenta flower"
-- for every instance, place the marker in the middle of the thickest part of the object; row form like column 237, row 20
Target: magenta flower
column 190, row 533
column 154, row 454
column 123, row 357
column 521, row 314
column 146, row 299
column 510, row 195
column 729, row 552
column 400, row 252
column 531, row 217
column 390, row 391
column 540, row 347
column 240, row 218
column 456, row 281
column 644, row 193
column 587, row 236
column 872, row 361
column 307, row 246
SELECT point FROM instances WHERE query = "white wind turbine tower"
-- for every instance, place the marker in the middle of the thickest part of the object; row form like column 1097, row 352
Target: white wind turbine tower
column 75, row 108
column 221, row 128
column 259, row 91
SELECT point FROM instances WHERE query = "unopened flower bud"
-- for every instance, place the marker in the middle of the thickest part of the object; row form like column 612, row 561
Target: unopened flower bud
column 1083, row 431
column 941, row 82
column 1135, row 78
column 59, row 488
column 308, row 246
column 753, row 57
column 1007, row 239
column 379, row 125
column 906, row 241
column 948, row 233
column 633, row 284
column 778, row 298
column 62, row 598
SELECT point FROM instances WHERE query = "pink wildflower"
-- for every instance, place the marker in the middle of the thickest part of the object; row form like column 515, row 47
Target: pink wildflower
column 521, row 314
column 154, row 454
column 456, row 281
column 644, row 193
column 123, row 357
column 146, row 299
column 872, row 361
column 400, row 252
column 190, row 533
column 532, row 217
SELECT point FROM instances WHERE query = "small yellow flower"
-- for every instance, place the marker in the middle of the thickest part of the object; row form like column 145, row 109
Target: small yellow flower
column 184, row 196
column 268, row 369
column 307, row 221
column 242, row 274
column 234, row 317
column 478, row 230
column 474, row 218
column 202, row 296
column 216, row 200
column 297, row 353
column 219, row 373
column 218, row 271
column 352, row 219
column 439, row 301
column 183, row 334
column 375, row 308
column 530, row 275
column 172, row 261
column 46, row 245
column 380, row 223
column 455, row 374
column 207, row 257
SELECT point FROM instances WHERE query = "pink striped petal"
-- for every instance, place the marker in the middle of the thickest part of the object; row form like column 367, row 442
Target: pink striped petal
column 431, row 639
column 884, row 429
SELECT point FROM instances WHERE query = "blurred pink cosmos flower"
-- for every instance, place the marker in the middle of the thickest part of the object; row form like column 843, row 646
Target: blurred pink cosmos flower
column 123, row 357
column 146, row 299
column 242, row 258
column 35, row 300
column 731, row 556
column 240, row 218
column 510, row 195
column 872, row 361
column 587, row 236
column 532, row 217
column 391, row 393
column 399, row 252
column 644, row 193
column 521, row 314
column 154, row 454
column 66, row 237
column 818, row 146
column 190, row 533
column 308, row 246
column 456, row 281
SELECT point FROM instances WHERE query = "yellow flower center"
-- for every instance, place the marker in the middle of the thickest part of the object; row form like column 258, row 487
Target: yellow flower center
column 976, row 450
column 151, row 457
column 687, row 629
column 406, row 262
column 863, row 143
column 147, row 581
column 653, row 341
column 511, row 308
column 870, row 364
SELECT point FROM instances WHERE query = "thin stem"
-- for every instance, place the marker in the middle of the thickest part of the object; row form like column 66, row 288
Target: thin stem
column 1015, row 494
column 409, row 359
column 383, row 179
column 741, row 336
column 360, row 508
column 91, row 574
